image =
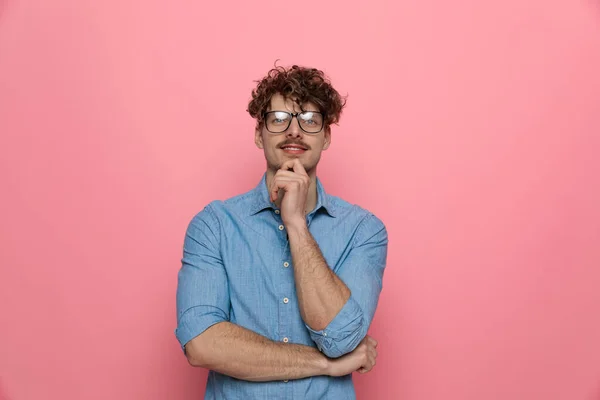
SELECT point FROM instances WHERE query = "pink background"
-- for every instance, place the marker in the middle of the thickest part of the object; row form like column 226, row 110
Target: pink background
column 472, row 129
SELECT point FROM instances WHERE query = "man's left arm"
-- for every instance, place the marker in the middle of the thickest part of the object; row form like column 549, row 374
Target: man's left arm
column 338, row 307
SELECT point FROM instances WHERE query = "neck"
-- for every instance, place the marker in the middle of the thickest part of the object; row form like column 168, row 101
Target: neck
column 311, row 197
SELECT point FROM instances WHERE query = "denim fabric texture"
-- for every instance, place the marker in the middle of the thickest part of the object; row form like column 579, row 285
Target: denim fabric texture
column 237, row 267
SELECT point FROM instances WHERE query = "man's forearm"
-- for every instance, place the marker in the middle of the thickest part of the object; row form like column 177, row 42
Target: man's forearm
column 240, row 353
column 321, row 294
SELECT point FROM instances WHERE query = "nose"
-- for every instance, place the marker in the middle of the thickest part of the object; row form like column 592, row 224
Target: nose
column 294, row 131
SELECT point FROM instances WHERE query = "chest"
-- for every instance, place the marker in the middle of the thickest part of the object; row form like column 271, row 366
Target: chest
column 257, row 250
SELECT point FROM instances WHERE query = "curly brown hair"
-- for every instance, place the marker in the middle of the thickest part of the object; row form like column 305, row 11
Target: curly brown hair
column 300, row 84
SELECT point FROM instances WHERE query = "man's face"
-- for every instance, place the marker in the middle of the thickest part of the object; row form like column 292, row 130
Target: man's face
column 293, row 142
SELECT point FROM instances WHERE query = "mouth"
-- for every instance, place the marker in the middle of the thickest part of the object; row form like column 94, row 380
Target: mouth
column 293, row 149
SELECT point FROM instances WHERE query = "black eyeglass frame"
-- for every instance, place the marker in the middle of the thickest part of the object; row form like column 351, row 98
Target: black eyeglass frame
column 290, row 121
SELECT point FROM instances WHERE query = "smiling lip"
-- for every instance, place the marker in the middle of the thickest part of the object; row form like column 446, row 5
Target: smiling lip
column 293, row 149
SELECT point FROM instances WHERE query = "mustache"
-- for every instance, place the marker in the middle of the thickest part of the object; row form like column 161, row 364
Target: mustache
column 292, row 142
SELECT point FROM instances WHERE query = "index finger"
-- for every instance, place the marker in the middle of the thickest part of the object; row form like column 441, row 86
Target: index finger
column 289, row 164
column 299, row 168
column 373, row 341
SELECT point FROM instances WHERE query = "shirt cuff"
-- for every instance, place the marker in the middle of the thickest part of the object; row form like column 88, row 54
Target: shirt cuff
column 343, row 333
column 196, row 320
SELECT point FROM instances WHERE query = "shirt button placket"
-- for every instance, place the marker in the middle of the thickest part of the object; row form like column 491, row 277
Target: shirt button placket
column 286, row 339
column 285, row 313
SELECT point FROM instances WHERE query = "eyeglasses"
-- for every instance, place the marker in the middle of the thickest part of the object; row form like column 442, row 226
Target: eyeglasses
column 310, row 122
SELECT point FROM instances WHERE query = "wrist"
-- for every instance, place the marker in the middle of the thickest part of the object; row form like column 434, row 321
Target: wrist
column 296, row 225
column 326, row 366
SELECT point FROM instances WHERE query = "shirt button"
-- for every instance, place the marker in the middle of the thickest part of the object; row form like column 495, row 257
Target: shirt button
column 285, row 340
column 286, row 300
column 277, row 211
column 286, row 264
column 286, row 381
column 281, row 227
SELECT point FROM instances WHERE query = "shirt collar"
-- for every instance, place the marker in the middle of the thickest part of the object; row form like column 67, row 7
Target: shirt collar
column 260, row 198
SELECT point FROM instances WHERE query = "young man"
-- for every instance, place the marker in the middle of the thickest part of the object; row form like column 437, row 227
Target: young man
column 278, row 286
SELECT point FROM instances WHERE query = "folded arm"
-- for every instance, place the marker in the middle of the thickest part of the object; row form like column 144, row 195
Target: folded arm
column 338, row 307
column 240, row 353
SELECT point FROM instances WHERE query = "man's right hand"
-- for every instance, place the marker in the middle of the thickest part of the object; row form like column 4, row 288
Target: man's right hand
column 361, row 359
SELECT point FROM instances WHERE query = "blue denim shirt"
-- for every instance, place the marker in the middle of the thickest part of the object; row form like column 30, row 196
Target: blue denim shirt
column 237, row 267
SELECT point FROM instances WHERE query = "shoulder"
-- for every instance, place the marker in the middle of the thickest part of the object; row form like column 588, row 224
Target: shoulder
column 354, row 212
column 217, row 210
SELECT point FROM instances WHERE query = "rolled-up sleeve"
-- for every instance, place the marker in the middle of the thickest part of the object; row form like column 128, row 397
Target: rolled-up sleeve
column 202, row 289
column 362, row 271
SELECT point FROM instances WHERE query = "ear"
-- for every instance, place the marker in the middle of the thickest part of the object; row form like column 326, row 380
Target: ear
column 258, row 140
column 327, row 139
